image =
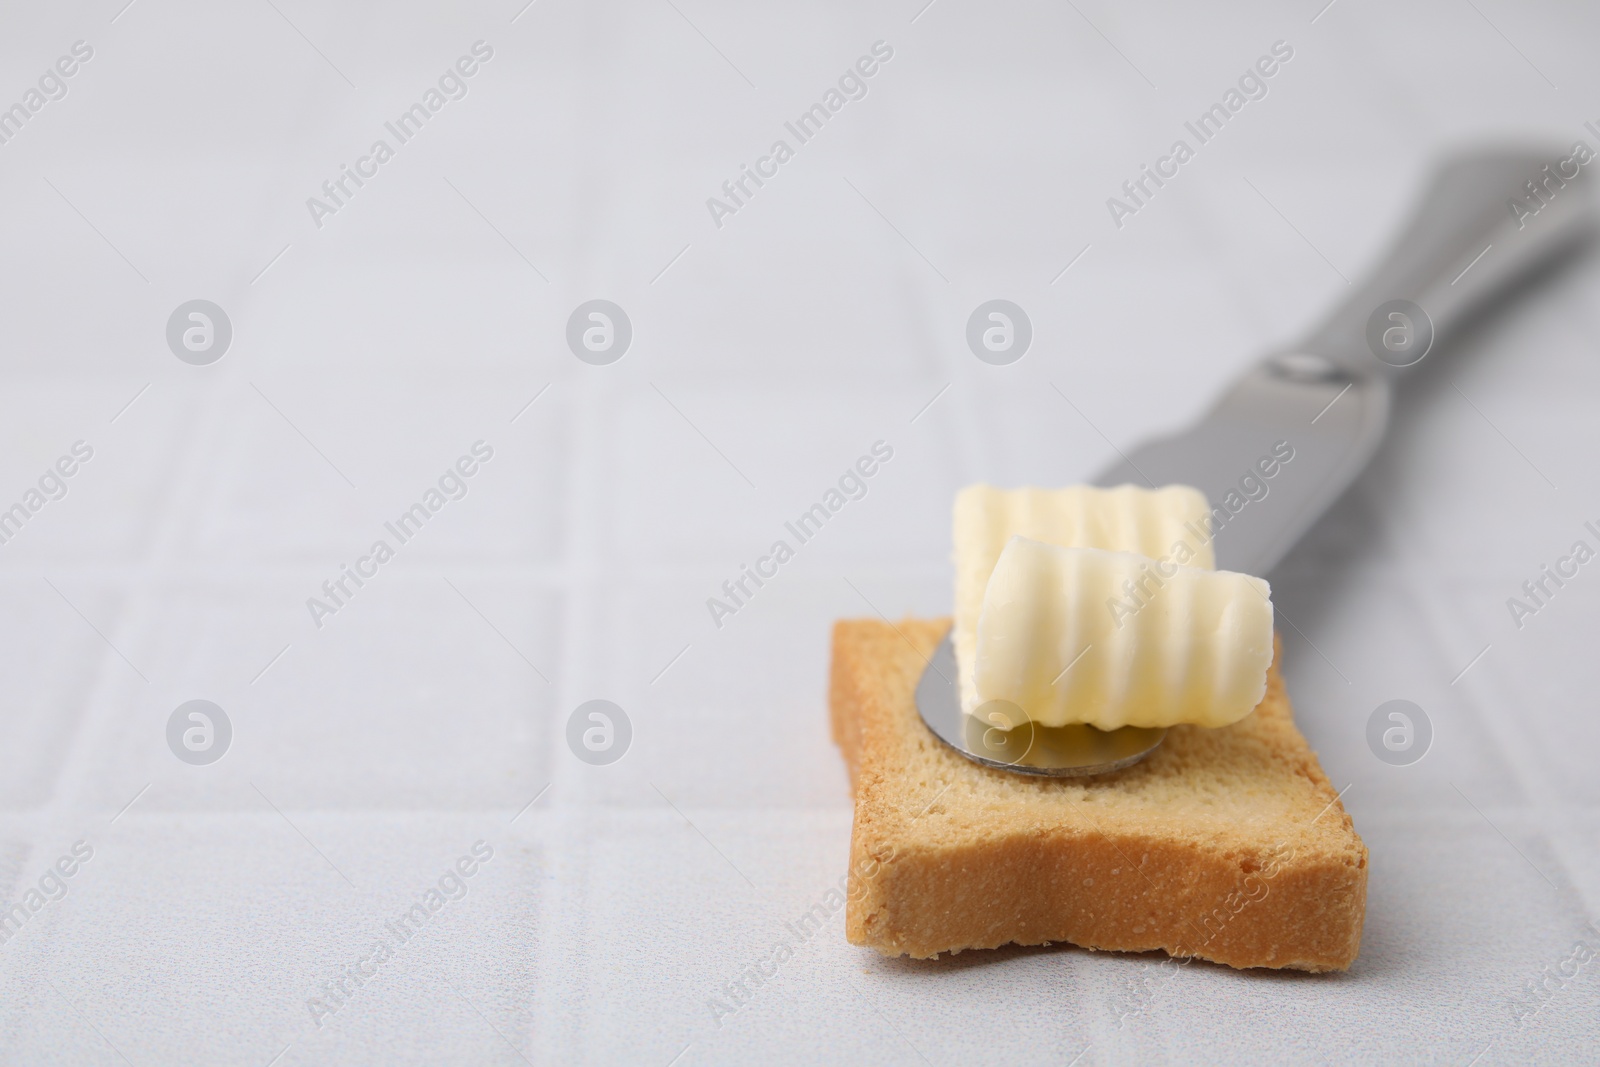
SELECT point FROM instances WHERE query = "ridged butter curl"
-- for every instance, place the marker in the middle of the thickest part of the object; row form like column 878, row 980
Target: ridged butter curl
column 1121, row 639
column 1170, row 522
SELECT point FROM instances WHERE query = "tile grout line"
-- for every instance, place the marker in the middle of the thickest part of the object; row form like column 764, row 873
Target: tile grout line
column 1519, row 753
column 75, row 786
column 581, row 616
column 68, row 812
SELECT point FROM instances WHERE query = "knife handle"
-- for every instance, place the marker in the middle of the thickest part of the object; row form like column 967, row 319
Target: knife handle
column 1478, row 227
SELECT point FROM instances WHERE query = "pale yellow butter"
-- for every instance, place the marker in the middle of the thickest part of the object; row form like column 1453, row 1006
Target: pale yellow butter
column 1169, row 523
column 1118, row 639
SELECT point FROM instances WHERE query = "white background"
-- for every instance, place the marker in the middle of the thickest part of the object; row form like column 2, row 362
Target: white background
column 371, row 352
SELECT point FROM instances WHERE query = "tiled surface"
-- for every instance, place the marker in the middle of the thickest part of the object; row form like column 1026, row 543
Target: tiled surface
column 369, row 753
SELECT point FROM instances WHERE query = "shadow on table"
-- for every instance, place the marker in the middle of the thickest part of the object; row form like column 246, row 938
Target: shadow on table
column 903, row 966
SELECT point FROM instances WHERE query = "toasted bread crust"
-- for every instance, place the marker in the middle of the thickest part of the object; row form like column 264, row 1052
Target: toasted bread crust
column 1226, row 844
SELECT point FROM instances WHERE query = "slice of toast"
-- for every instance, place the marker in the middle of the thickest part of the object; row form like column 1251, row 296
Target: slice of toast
column 1225, row 844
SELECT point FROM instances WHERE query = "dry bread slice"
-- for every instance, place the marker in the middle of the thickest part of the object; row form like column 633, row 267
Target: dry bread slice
column 1226, row 844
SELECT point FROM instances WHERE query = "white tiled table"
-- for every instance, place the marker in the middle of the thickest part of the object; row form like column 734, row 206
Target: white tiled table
column 369, row 754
